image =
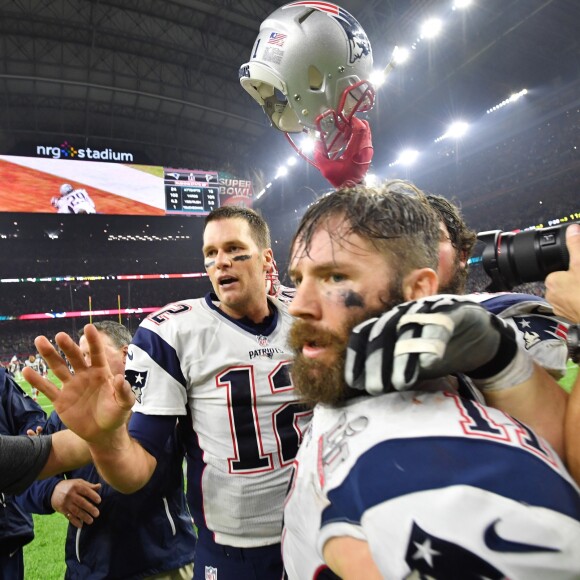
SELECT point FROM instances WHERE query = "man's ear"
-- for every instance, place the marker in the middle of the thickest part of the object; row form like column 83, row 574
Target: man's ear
column 125, row 350
column 420, row 283
column 268, row 259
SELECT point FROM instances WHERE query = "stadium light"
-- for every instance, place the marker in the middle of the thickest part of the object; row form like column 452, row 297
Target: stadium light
column 431, row 28
column 307, row 145
column 371, row 179
column 401, row 54
column 461, row 4
column 511, row 99
column 291, row 161
column 455, row 131
column 282, row 172
column 407, row 157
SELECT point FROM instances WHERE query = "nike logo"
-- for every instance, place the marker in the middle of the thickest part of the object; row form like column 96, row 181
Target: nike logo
column 130, row 355
column 498, row 544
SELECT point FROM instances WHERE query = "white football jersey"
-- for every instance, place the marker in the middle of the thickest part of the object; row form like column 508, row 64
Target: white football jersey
column 244, row 420
column 539, row 331
column 440, row 487
column 77, row 201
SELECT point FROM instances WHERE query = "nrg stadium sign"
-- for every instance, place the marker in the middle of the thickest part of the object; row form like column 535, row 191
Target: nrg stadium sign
column 66, row 151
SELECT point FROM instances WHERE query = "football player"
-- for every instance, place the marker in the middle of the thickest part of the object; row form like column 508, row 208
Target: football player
column 423, row 480
column 73, row 200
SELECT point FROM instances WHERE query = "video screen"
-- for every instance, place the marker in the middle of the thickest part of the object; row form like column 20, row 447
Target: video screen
column 67, row 186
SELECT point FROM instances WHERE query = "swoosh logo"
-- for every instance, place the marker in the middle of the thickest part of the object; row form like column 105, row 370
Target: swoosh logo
column 498, row 544
column 130, row 355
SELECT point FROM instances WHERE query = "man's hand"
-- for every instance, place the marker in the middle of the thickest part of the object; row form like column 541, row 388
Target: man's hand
column 92, row 402
column 562, row 287
column 76, row 499
column 430, row 338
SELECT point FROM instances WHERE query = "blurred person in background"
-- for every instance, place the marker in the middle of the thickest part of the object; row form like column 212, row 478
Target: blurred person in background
column 112, row 535
column 18, row 414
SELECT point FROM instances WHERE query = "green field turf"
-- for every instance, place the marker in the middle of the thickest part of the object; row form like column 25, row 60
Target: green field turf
column 44, row 556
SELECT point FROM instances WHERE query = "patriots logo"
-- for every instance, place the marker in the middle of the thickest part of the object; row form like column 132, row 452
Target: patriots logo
column 536, row 328
column 430, row 557
column 137, row 380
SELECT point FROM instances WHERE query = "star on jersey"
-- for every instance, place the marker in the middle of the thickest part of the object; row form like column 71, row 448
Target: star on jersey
column 137, row 380
column 431, row 557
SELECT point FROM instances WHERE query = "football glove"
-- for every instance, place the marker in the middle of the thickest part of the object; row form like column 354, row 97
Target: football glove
column 434, row 337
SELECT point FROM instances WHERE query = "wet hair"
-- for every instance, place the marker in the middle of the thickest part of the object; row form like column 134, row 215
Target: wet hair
column 393, row 217
column 118, row 333
column 462, row 237
column 259, row 229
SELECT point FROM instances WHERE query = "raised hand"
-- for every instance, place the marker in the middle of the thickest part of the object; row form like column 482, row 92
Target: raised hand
column 434, row 337
column 76, row 499
column 92, row 402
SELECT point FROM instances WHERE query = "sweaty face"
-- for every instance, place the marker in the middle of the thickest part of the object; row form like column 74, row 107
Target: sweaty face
column 341, row 281
column 236, row 268
column 115, row 356
column 452, row 270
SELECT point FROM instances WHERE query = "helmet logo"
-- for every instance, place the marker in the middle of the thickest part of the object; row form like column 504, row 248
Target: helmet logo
column 359, row 44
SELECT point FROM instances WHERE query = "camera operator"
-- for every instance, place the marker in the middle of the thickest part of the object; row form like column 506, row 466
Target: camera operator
column 562, row 292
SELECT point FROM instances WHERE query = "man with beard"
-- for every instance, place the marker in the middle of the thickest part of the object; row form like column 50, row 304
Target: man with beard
column 418, row 481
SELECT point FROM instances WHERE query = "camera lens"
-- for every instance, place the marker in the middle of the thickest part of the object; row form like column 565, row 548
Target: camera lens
column 511, row 259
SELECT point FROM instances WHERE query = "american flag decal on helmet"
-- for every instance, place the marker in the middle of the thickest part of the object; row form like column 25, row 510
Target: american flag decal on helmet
column 277, row 38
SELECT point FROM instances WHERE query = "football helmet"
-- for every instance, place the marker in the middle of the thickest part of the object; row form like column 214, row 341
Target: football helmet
column 309, row 69
column 66, row 188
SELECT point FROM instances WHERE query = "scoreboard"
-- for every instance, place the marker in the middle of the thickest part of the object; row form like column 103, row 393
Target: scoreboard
column 190, row 192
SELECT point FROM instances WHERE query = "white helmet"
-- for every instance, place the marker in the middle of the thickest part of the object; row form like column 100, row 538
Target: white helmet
column 318, row 58
column 66, row 188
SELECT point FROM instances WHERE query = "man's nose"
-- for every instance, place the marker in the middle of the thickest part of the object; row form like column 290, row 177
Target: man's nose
column 306, row 301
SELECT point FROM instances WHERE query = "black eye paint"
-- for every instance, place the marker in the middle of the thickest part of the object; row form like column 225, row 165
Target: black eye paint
column 353, row 299
column 242, row 258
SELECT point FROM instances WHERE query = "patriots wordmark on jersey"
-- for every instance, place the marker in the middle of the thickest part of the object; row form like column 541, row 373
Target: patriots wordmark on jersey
column 230, row 385
column 439, row 486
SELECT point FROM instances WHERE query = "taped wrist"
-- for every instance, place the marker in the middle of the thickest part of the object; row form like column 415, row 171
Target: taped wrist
column 509, row 367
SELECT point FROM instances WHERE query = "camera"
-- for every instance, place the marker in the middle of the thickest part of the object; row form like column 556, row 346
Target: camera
column 511, row 258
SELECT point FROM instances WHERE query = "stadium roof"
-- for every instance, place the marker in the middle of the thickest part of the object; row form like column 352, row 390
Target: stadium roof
column 161, row 76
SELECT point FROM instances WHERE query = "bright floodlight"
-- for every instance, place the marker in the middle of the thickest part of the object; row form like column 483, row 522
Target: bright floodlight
column 407, row 157
column 371, row 179
column 377, row 78
column 457, row 130
column 461, row 4
column 282, row 172
column 401, row 54
column 291, row 161
column 307, row 145
column 512, row 99
column 431, row 28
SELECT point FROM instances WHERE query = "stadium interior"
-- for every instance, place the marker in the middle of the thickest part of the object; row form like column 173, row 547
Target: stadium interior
column 160, row 79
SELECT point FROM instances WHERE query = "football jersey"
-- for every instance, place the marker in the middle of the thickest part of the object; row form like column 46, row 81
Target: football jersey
column 77, row 201
column 232, row 389
column 439, row 487
column 539, row 331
